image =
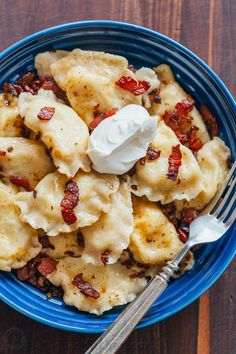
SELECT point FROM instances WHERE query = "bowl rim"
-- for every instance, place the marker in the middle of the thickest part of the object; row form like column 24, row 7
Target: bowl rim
column 140, row 29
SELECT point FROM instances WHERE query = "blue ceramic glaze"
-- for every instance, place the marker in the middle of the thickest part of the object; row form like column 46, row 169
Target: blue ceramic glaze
column 140, row 46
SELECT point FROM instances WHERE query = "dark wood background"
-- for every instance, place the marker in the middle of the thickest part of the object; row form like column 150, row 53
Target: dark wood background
column 209, row 29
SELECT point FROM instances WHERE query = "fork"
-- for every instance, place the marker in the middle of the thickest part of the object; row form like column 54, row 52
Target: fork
column 211, row 225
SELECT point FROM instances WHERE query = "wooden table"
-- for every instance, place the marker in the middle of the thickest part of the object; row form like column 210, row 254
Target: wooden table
column 209, row 29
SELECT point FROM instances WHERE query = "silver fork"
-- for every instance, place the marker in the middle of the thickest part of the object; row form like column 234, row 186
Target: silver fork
column 212, row 224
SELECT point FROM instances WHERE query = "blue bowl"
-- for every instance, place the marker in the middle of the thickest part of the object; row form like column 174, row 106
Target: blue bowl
column 140, row 46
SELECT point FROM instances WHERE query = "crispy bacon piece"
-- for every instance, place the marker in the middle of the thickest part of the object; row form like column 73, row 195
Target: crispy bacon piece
column 142, row 161
column 2, row 153
column 182, row 235
column 105, row 256
column 26, row 79
column 188, row 215
column 23, row 273
column 195, row 144
column 209, row 120
column 99, row 117
column 151, row 155
column 181, row 124
column 31, row 274
column 10, row 88
column 20, row 182
column 30, row 82
column 85, row 287
column 72, row 187
column 68, row 216
column 69, row 202
column 184, row 107
column 47, row 266
column 135, row 87
column 175, row 161
column 46, row 113
column 154, row 96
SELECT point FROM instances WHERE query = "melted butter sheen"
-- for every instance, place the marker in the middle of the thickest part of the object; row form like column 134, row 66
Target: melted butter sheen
column 120, row 141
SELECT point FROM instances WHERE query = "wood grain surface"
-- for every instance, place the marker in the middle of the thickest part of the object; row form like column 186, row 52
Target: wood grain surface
column 208, row 326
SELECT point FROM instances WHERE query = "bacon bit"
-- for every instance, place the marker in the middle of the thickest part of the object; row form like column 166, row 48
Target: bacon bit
column 182, row 235
column 179, row 121
column 26, row 88
column 30, row 82
column 46, row 113
column 99, row 117
column 140, row 274
column 135, row 87
column 20, row 182
column 31, row 274
column 47, row 85
column 134, row 187
column 95, row 122
column 154, row 96
column 11, row 89
column 68, row 216
column 85, row 287
column 10, row 148
column 26, row 79
column 23, row 273
column 71, row 187
column 142, row 161
column 188, row 215
column 69, row 202
column 131, row 68
column 175, row 161
column 195, row 144
column 105, row 256
column 209, row 120
column 183, row 137
column 2, row 153
column 47, row 266
column 152, row 154
column 184, row 107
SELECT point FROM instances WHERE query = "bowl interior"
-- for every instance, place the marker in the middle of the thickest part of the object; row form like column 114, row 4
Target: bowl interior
column 141, row 47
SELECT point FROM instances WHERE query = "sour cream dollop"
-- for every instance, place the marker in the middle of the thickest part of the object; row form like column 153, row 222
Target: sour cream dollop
column 118, row 142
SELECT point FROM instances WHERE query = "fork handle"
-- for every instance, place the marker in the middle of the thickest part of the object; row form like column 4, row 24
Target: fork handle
column 122, row 327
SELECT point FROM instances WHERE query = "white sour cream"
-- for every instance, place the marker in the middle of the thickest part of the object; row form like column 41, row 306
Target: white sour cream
column 118, row 142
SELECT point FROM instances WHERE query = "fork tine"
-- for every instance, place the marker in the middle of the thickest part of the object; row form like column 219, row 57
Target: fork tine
column 224, row 200
column 231, row 219
column 219, row 194
column 229, row 206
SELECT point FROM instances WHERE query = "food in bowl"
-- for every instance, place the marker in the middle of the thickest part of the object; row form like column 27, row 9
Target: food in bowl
column 103, row 168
